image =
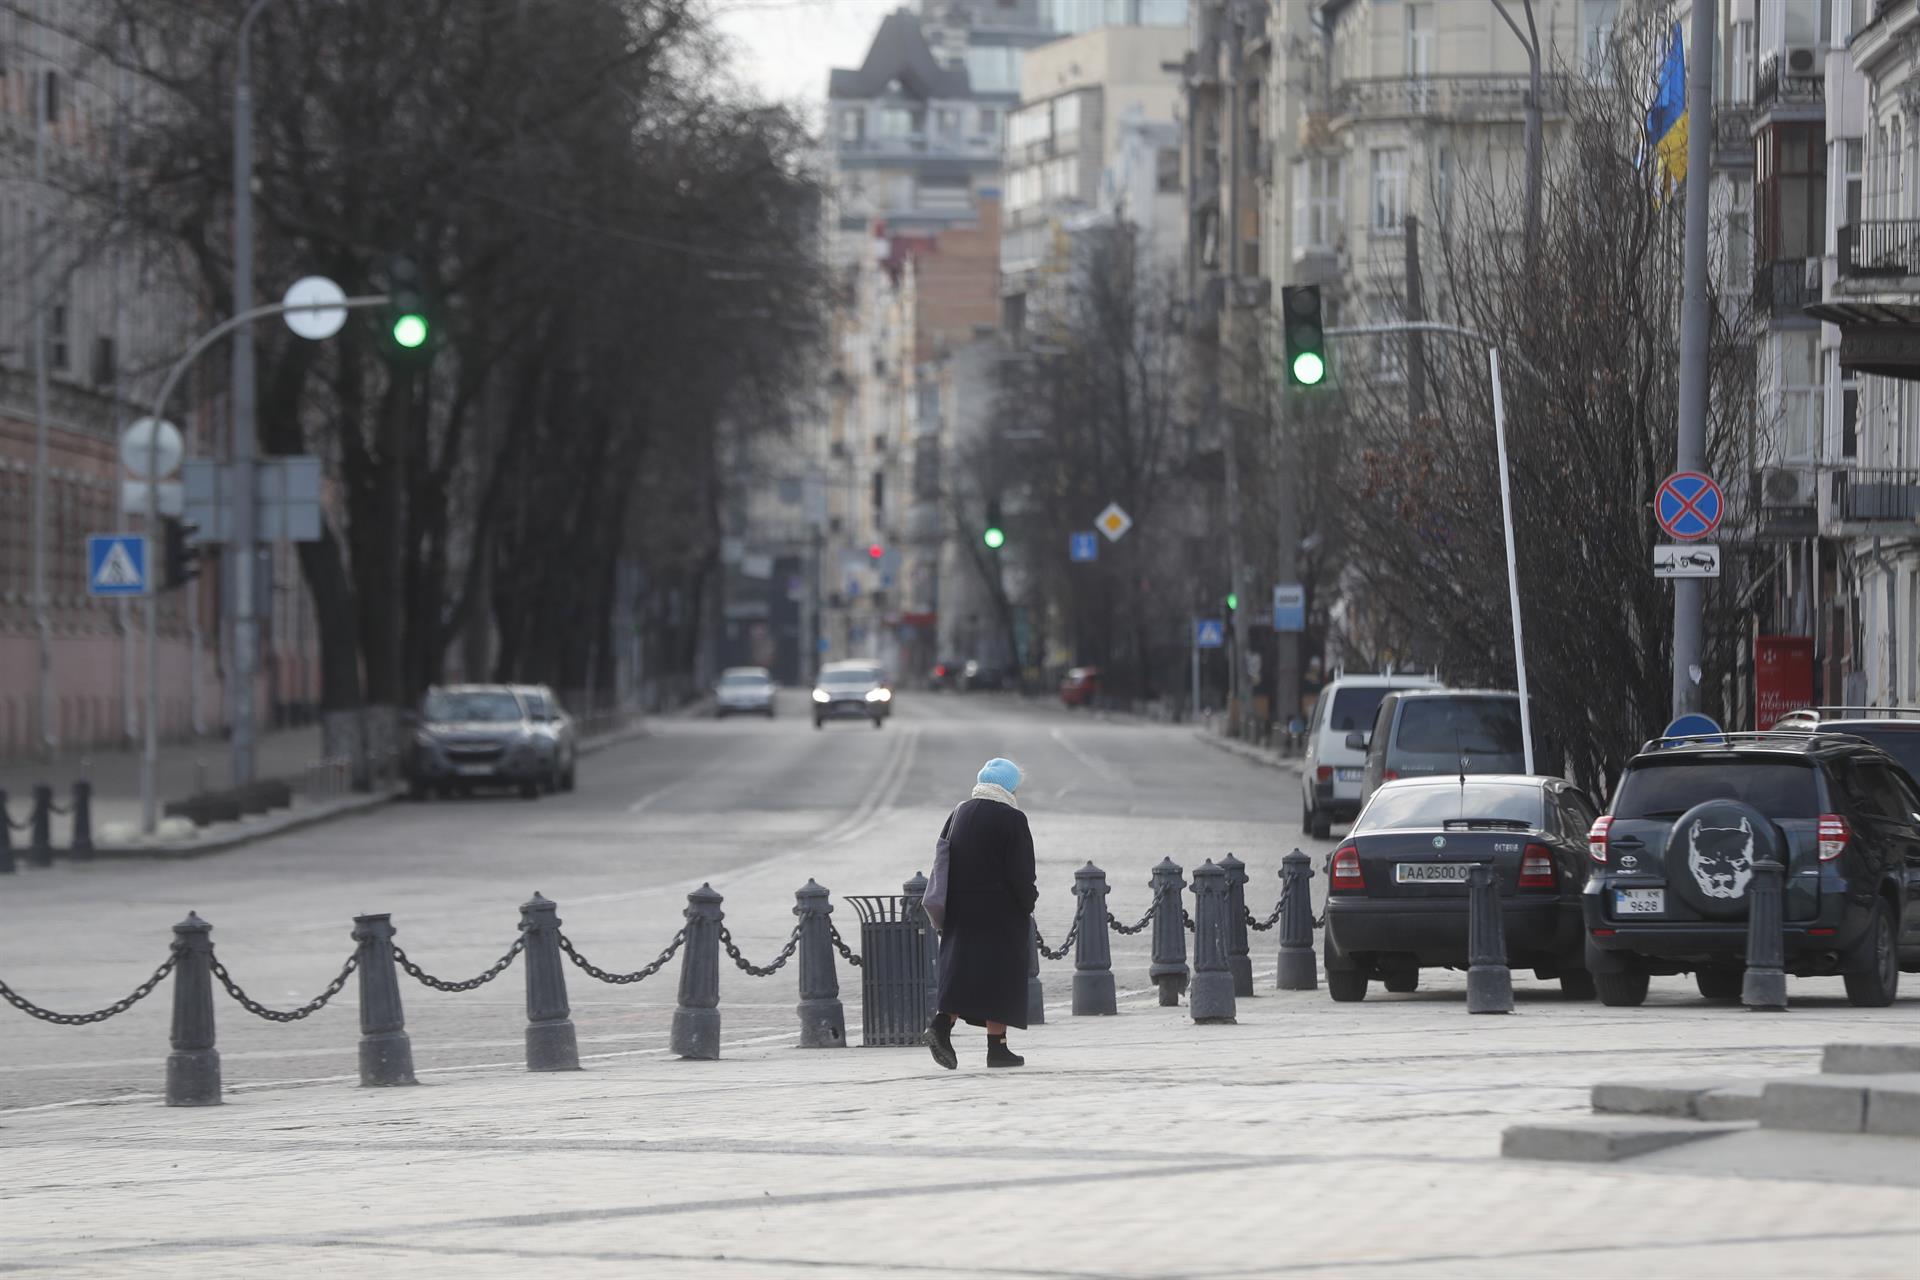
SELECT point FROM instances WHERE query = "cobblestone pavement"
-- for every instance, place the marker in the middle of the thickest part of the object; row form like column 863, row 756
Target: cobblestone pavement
column 1308, row 1139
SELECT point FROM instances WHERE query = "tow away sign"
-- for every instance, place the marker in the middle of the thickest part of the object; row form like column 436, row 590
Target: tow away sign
column 1688, row 560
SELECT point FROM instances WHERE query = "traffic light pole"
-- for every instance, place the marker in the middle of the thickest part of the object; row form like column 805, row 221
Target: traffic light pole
column 150, row 752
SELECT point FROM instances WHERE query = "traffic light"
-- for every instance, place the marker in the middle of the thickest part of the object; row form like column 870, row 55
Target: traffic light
column 1233, row 601
column 408, row 326
column 875, row 551
column 1305, row 334
column 994, row 535
column 180, row 559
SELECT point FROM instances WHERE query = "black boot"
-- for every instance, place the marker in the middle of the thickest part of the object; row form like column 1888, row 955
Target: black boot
column 998, row 1055
column 940, row 1041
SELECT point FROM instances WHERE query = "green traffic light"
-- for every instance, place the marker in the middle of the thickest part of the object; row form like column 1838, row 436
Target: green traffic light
column 1308, row 369
column 994, row 538
column 410, row 331
column 1233, row 600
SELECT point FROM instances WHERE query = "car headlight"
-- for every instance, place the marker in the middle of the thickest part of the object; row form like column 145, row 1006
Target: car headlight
column 879, row 695
column 820, row 695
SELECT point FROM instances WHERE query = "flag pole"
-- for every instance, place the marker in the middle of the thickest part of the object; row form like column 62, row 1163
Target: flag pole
column 1689, row 595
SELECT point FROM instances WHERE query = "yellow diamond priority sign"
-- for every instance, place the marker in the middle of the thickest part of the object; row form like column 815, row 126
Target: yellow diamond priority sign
column 1113, row 522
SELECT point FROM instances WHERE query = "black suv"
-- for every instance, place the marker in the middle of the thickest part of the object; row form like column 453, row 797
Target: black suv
column 1675, row 853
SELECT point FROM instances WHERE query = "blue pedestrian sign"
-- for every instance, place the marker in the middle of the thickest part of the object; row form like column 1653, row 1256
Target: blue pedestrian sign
column 116, row 564
column 1688, row 505
column 1696, row 727
column 1083, row 548
column 1209, row 633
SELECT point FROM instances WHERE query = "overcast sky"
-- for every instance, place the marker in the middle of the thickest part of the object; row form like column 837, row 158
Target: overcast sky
column 786, row 47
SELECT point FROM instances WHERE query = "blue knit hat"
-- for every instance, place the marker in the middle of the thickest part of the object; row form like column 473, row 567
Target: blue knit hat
column 1001, row 773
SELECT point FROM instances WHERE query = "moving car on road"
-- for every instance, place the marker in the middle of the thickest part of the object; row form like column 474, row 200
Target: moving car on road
column 1422, row 732
column 1397, row 885
column 477, row 735
column 1895, row 730
column 1079, row 686
column 1674, row 856
column 851, row 690
column 1336, row 754
column 552, row 719
column 744, row 690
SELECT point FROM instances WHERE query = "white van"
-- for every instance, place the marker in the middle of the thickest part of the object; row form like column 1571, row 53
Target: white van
column 1330, row 771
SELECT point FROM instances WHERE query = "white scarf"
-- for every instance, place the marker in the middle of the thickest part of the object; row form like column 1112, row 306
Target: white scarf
column 995, row 792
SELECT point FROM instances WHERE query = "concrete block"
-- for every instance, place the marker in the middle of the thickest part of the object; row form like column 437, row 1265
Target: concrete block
column 1601, row 1139
column 1735, row 1102
column 1869, row 1059
column 1820, row 1104
column 1893, row 1106
column 1676, row 1097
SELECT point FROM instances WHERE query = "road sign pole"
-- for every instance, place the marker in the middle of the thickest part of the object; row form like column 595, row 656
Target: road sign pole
column 1193, row 648
column 1513, row 573
column 1689, row 594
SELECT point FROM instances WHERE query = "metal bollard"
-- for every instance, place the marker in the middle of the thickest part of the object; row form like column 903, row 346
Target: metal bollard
column 1036, row 994
column 386, row 1054
column 1212, row 999
column 551, row 1045
column 823, row 1019
column 1093, row 991
column 1239, row 951
column 925, row 943
column 82, row 845
column 193, row 1068
column 40, row 851
column 1296, row 971
column 696, row 1022
column 1765, row 986
column 1489, row 982
column 7, row 866
column 1169, row 968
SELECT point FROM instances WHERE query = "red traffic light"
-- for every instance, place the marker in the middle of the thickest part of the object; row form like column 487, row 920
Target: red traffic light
column 875, row 551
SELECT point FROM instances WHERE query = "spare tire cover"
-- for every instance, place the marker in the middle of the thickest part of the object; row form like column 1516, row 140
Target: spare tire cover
column 1710, row 855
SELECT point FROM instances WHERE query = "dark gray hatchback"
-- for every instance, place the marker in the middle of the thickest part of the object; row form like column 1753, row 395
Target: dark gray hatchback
column 1420, row 733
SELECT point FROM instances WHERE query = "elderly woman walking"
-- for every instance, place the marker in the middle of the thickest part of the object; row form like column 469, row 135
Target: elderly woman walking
column 984, row 925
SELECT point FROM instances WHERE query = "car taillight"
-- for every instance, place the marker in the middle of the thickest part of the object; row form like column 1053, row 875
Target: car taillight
column 1536, row 867
column 1324, row 772
column 1391, row 775
column 1834, row 834
column 1597, row 838
column 1346, row 868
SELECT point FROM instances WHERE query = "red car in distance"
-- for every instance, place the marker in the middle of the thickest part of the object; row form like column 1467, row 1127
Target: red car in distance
column 1079, row 686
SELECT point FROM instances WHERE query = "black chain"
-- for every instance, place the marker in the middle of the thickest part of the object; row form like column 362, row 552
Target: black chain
column 847, row 953
column 138, row 994
column 1186, row 918
column 1262, row 926
column 1066, row 943
column 58, row 810
column 18, row 826
column 759, row 970
column 312, row 1006
column 440, row 984
column 1145, row 920
column 622, row 979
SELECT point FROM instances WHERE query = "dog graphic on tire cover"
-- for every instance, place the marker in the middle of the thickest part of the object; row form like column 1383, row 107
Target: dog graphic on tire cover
column 1720, row 858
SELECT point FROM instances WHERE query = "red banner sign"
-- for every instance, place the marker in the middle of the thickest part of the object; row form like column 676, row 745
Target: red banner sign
column 1782, row 676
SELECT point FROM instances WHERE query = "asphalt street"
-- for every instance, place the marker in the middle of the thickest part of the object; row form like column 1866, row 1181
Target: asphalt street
column 755, row 807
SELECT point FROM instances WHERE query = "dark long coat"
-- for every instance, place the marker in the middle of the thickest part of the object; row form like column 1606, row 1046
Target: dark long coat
column 990, row 897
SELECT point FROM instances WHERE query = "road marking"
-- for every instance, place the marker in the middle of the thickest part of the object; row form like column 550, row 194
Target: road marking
column 640, row 805
column 1093, row 762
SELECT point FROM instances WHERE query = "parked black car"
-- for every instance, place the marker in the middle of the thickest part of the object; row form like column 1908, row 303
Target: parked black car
column 1895, row 730
column 1674, row 855
column 1397, row 895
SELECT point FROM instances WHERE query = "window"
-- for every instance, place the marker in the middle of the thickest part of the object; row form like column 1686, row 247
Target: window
column 1849, row 420
column 993, row 68
column 894, row 122
column 1419, row 40
column 1066, row 120
column 1389, row 350
column 1596, row 38
column 1798, row 375
column 1741, row 90
column 1851, row 164
column 1166, row 169
column 1353, row 710
column 1316, row 204
column 1791, row 190
column 1442, row 193
column 59, row 354
column 947, row 122
column 1802, row 22
column 1454, row 727
column 1389, row 170
column 1896, row 171
column 852, row 125
column 990, row 123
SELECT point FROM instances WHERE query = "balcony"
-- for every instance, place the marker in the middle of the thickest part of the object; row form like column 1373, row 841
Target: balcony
column 1458, row 97
column 893, row 149
column 1880, row 249
column 1863, row 497
column 1778, row 91
column 1732, row 135
column 1782, row 289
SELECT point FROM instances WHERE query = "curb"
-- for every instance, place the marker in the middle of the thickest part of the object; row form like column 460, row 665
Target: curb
column 1246, row 751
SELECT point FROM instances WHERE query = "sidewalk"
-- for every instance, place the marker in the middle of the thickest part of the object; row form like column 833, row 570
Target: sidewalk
column 1309, row 1139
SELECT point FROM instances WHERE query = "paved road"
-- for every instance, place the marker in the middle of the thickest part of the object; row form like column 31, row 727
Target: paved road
column 755, row 807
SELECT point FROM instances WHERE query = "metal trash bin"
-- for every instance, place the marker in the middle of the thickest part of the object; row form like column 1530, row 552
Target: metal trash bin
column 898, row 949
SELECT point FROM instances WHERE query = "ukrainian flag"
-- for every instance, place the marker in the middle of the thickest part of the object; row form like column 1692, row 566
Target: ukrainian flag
column 1667, row 120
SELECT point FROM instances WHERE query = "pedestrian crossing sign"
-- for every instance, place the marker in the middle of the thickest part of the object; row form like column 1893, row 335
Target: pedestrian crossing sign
column 116, row 564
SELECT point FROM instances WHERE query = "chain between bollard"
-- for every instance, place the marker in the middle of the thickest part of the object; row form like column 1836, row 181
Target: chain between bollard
column 440, row 984
column 847, row 953
column 1129, row 930
column 311, row 1007
column 1066, row 943
column 1259, row 926
column 622, row 979
column 1186, row 918
column 759, row 970
column 121, row 1005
